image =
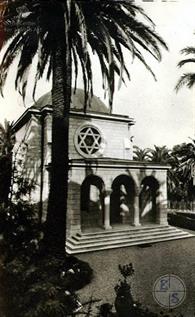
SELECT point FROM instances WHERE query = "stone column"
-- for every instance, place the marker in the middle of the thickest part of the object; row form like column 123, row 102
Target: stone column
column 107, row 225
column 162, row 212
column 136, row 220
column 162, row 205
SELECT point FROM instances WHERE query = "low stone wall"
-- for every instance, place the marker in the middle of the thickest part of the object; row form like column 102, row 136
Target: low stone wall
column 182, row 219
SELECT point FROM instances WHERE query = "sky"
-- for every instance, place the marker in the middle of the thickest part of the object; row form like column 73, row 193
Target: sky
column 162, row 116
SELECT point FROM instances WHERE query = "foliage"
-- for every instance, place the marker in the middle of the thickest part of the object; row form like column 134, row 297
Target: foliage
column 160, row 154
column 106, row 27
column 184, row 155
column 186, row 158
column 37, row 283
column 20, row 229
column 6, row 145
column 179, row 178
column 187, row 79
column 7, row 138
column 186, row 152
column 105, row 310
column 124, row 303
column 140, row 154
column 45, row 286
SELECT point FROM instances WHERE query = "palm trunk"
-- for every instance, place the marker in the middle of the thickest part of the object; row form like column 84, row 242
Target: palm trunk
column 55, row 234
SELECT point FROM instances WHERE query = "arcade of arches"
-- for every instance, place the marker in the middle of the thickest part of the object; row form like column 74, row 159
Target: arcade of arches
column 102, row 209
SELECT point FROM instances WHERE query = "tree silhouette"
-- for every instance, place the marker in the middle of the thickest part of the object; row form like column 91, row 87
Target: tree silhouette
column 62, row 34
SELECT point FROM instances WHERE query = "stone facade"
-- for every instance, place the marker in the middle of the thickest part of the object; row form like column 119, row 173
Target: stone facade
column 114, row 174
column 106, row 188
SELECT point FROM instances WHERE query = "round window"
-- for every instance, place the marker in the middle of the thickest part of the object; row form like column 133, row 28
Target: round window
column 89, row 141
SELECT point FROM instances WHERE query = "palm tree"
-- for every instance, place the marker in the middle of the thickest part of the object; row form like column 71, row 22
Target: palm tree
column 187, row 79
column 186, row 158
column 183, row 169
column 160, row 154
column 6, row 138
column 140, row 154
column 62, row 34
column 185, row 151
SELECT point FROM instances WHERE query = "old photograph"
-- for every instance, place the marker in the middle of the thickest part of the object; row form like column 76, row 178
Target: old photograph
column 97, row 158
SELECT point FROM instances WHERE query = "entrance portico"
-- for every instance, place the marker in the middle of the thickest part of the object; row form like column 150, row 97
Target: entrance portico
column 114, row 194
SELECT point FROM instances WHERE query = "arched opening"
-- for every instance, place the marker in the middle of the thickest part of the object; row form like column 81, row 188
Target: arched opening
column 92, row 202
column 122, row 200
column 148, row 200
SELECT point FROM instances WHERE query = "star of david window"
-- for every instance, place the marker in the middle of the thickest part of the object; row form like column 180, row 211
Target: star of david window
column 89, row 141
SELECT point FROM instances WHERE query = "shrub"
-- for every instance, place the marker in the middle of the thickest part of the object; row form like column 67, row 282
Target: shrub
column 37, row 284
column 45, row 286
column 20, row 228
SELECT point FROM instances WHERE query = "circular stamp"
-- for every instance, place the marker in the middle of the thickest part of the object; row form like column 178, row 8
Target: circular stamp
column 169, row 291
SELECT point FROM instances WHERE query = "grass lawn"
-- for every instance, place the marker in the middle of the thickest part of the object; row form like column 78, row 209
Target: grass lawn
column 174, row 257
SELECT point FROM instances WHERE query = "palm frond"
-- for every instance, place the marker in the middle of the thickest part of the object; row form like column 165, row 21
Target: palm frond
column 186, row 61
column 106, row 26
column 140, row 154
column 160, row 154
column 28, row 52
column 187, row 79
column 74, row 54
column 188, row 50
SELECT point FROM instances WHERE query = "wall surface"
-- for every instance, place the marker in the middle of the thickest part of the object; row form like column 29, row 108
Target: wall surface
column 33, row 147
column 27, row 155
column 115, row 133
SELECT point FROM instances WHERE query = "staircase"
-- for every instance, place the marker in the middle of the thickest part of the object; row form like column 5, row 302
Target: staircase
column 123, row 237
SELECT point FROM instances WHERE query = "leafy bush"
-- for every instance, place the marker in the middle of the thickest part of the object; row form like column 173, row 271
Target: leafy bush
column 37, row 284
column 20, row 228
column 44, row 286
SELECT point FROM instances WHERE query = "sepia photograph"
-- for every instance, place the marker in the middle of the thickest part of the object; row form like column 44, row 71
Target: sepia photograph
column 97, row 158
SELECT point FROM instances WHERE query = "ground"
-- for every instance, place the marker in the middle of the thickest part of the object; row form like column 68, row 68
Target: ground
column 176, row 257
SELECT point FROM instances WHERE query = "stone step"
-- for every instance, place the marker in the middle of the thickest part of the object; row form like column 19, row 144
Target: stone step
column 122, row 234
column 89, row 243
column 120, row 237
column 123, row 239
column 123, row 245
column 123, row 229
column 116, row 235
